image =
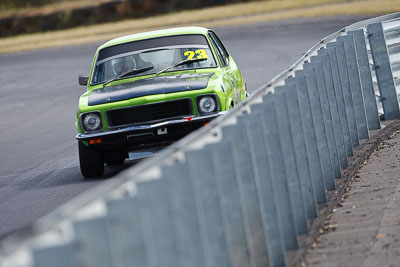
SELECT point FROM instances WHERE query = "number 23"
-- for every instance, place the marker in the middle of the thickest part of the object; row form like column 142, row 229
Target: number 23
column 201, row 53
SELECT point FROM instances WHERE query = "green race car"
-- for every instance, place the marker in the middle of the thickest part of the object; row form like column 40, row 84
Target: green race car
column 148, row 90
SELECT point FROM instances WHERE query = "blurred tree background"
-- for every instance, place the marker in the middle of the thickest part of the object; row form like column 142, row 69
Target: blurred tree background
column 29, row 3
column 14, row 4
column 24, row 3
column 29, row 16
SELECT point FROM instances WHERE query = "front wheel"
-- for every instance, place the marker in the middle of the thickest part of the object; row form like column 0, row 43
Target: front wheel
column 91, row 161
column 115, row 159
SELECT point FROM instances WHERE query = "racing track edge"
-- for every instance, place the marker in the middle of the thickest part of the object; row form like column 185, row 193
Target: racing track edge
column 361, row 155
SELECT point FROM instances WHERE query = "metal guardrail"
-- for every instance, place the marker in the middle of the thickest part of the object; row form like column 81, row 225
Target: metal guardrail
column 239, row 191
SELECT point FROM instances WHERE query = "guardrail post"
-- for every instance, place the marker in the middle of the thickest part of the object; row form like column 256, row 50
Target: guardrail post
column 348, row 99
column 279, row 181
column 333, row 103
column 208, row 207
column 158, row 231
column 296, row 189
column 248, row 192
column 231, row 209
column 290, row 125
column 258, row 148
column 298, row 102
column 326, row 112
column 340, row 99
column 125, row 232
column 93, row 242
column 60, row 256
column 355, row 85
column 383, row 71
column 184, row 216
column 371, row 109
column 319, row 127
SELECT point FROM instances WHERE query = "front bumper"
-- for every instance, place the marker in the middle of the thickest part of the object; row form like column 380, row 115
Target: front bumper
column 152, row 135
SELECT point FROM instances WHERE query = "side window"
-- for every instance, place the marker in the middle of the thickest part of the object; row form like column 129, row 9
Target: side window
column 224, row 59
column 220, row 47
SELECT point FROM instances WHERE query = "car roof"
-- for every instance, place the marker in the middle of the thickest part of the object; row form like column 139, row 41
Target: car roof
column 155, row 34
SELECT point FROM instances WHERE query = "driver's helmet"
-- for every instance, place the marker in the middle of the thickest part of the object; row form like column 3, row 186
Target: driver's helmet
column 122, row 65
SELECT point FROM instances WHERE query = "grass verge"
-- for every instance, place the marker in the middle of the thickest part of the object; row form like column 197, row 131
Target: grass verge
column 235, row 14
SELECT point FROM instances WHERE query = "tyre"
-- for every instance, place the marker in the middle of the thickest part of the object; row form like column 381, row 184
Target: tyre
column 91, row 161
column 115, row 160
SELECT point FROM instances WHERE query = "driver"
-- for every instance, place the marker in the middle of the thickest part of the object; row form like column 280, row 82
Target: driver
column 140, row 63
column 125, row 64
column 122, row 65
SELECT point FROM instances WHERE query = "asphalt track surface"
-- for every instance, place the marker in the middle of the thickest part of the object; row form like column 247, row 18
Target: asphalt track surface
column 39, row 168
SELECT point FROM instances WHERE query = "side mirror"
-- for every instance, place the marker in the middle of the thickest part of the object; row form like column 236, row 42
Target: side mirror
column 83, row 80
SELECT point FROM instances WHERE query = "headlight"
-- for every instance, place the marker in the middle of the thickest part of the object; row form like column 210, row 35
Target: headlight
column 207, row 104
column 91, row 121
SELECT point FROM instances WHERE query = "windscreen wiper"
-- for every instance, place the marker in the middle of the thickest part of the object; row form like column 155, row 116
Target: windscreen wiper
column 131, row 72
column 183, row 62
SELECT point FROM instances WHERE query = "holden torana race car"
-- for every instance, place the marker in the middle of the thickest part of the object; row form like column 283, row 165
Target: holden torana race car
column 147, row 90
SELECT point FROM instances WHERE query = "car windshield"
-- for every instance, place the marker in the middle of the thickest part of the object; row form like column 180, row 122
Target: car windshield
column 160, row 53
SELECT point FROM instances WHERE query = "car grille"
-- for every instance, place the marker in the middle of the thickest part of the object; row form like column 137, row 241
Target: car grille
column 149, row 112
